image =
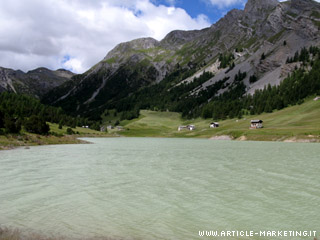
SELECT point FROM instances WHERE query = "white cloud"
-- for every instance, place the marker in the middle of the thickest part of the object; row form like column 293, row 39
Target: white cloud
column 76, row 34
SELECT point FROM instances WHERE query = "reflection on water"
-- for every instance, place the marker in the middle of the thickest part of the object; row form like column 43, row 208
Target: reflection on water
column 148, row 188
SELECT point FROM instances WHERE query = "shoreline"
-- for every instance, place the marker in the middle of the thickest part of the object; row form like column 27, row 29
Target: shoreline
column 9, row 142
column 283, row 139
column 17, row 234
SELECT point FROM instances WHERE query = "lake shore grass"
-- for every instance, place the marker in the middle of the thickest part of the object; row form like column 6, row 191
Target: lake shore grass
column 56, row 136
column 24, row 140
column 16, row 234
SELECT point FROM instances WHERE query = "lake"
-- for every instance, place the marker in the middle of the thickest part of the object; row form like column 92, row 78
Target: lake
column 153, row 188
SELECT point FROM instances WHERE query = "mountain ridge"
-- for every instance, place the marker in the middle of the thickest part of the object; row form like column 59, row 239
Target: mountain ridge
column 36, row 82
column 257, row 41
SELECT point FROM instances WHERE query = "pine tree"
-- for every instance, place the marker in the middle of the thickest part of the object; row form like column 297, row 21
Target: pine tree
column 12, row 125
column 1, row 119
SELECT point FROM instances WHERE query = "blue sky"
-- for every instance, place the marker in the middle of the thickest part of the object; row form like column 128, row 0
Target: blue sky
column 214, row 10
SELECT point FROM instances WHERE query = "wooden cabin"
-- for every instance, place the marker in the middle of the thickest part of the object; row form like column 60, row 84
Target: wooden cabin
column 214, row 125
column 255, row 124
column 120, row 128
column 180, row 128
column 189, row 127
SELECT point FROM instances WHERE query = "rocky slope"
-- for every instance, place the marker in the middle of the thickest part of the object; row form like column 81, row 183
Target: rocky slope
column 260, row 38
column 35, row 83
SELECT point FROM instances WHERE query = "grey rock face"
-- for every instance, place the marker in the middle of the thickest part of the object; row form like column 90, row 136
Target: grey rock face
column 302, row 4
column 257, row 10
column 35, row 83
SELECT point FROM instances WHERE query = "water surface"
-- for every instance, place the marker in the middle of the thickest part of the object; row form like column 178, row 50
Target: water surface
column 149, row 188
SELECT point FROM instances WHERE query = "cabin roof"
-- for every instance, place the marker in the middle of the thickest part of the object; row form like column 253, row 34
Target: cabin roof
column 256, row 121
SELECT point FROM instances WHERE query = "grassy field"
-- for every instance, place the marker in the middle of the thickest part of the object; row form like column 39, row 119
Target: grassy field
column 79, row 130
column 296, row 123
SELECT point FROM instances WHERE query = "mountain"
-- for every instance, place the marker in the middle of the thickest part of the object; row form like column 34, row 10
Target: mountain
column 35, row 83
column 246, row 49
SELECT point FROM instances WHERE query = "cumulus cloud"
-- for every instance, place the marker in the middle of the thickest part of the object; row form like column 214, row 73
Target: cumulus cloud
column 76, row 34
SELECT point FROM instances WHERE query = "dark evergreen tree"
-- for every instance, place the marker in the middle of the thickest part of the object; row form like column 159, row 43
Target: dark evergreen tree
column 12, row 125
column 70, row 131
column 1, row 119
column 253, row 79
column 36, row 124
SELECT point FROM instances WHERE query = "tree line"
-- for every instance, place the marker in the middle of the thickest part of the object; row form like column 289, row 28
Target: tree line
column 17, row 111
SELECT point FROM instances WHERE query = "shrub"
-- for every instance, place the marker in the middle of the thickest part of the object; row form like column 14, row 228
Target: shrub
column 70, row 131
column 1, row 119
column 12, row 125
column 253, row 79
column 36, row 125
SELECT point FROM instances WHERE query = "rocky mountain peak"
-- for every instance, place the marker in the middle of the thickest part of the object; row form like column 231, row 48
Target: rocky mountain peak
column 143, row 43
column 126, row 47
column 258, row 8
column 303, row 4
column 231, row 17
column 252, row 5
column 180, row 37
column 39, row 70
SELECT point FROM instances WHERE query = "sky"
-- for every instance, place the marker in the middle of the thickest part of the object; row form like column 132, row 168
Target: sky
column 76, row 34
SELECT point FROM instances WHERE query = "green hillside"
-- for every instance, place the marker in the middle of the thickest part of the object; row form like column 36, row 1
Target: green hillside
column 295, row 123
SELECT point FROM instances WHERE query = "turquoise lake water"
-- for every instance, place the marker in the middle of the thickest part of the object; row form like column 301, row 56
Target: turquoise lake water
column 150, row 188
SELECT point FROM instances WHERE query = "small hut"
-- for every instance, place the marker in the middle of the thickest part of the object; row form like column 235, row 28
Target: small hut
column 120, row 128
column 255, row 124
column 214, row 125
column 189, row 127
column 180, row 128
